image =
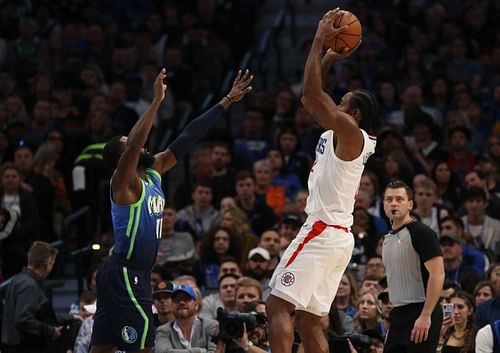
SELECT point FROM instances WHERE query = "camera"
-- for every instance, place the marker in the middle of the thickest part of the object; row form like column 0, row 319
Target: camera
column 339, row 344
column 231, row 325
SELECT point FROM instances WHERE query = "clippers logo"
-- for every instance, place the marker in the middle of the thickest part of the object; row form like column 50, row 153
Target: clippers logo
column 129, row 334
column 287, row 279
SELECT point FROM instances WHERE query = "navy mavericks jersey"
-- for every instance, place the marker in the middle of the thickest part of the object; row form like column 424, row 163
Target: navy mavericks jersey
column 137, row 227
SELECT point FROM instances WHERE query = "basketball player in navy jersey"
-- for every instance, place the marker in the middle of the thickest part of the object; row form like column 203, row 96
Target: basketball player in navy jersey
column 124, row 318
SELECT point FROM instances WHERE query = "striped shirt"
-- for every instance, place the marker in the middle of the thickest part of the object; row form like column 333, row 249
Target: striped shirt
column 404, row 253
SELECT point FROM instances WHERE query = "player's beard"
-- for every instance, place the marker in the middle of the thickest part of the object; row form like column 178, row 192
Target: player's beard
column 146, row 160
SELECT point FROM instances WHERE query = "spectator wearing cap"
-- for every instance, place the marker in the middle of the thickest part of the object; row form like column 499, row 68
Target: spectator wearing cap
column 456, row 269
column 484, row 229
column 257, row 267
column 187, row 333
column 288, row 229
column 224, row 298
column 477, row 179
column 470, row 254
column 162, row 302
column 271, row 241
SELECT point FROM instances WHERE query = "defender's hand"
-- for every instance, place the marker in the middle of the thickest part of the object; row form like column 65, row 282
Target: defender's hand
column 160, row 87
column 241, row 86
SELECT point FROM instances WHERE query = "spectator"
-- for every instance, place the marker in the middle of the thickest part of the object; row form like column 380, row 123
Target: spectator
column 216, row 244
column 162, row 302
column 223, row 176
column 375, row 267
column 174, row 245
column 41, row 188
column 370, row 282
column 270, row 240
column 266, row 191
column 290, row 181
column 460, row 159
column 200, row 215
column 260, row 216
column 484, row 229
column 461, row 333
column 29, row 322
column 455, row 268
column 187, row 332
column 247, row 290
column 446, row 185
column 201, row 172
column 236, row 221
column 470, row 254
column 252, row 143
column 14, row 198
column 225, row 297
column 288, row 229
column 294, row 161
column 229, row 265
column 476, row 179
column 427, row 210
column 485, row 290
column 346, row 298
column 257, row 267
column 369, row 314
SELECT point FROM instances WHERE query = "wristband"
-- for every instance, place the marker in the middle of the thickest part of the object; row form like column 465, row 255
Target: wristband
column 227, row 96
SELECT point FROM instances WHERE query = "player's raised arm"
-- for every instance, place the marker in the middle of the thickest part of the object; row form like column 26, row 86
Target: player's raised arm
column 318, row 102
column 126, row 184
column 198, row 127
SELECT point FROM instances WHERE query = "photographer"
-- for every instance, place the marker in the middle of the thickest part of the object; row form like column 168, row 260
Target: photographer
column 240, row 332
column 187, row 333
column 29, row 322
column 259, row 335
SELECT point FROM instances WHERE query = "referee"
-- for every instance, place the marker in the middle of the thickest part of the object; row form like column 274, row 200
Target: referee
column 415, row 275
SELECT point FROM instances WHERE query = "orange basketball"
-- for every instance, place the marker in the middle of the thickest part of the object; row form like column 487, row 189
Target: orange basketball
column 350, row 37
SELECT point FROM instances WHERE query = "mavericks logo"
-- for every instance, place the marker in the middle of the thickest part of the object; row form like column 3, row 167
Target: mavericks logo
column 129, row 334
column 287, row 279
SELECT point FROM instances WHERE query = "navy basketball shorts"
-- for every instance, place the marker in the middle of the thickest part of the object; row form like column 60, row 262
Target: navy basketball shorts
column 123, row 317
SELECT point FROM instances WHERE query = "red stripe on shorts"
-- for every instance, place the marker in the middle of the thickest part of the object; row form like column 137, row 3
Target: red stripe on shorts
column 317, row 228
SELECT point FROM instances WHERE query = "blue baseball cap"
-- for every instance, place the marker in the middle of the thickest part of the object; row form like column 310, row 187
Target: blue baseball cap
column 186, row 289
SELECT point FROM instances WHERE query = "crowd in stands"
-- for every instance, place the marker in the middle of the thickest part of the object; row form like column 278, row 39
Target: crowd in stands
column 75, row 73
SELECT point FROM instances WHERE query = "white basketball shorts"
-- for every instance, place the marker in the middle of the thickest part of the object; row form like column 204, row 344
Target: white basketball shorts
column 312, row 266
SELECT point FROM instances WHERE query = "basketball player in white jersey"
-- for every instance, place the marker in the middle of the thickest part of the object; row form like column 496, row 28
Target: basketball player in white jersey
column 312, row 266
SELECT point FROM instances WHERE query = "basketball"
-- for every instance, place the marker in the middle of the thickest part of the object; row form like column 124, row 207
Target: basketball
column 350, row 37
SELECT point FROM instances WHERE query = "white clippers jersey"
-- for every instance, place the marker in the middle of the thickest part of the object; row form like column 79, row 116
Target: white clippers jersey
column 333, row 183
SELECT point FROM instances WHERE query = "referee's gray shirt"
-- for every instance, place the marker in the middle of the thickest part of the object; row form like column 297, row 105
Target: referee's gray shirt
column 404, row 253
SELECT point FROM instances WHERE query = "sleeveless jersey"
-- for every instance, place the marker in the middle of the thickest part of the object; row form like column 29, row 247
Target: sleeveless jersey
column 333, row 183
column 137, row 227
